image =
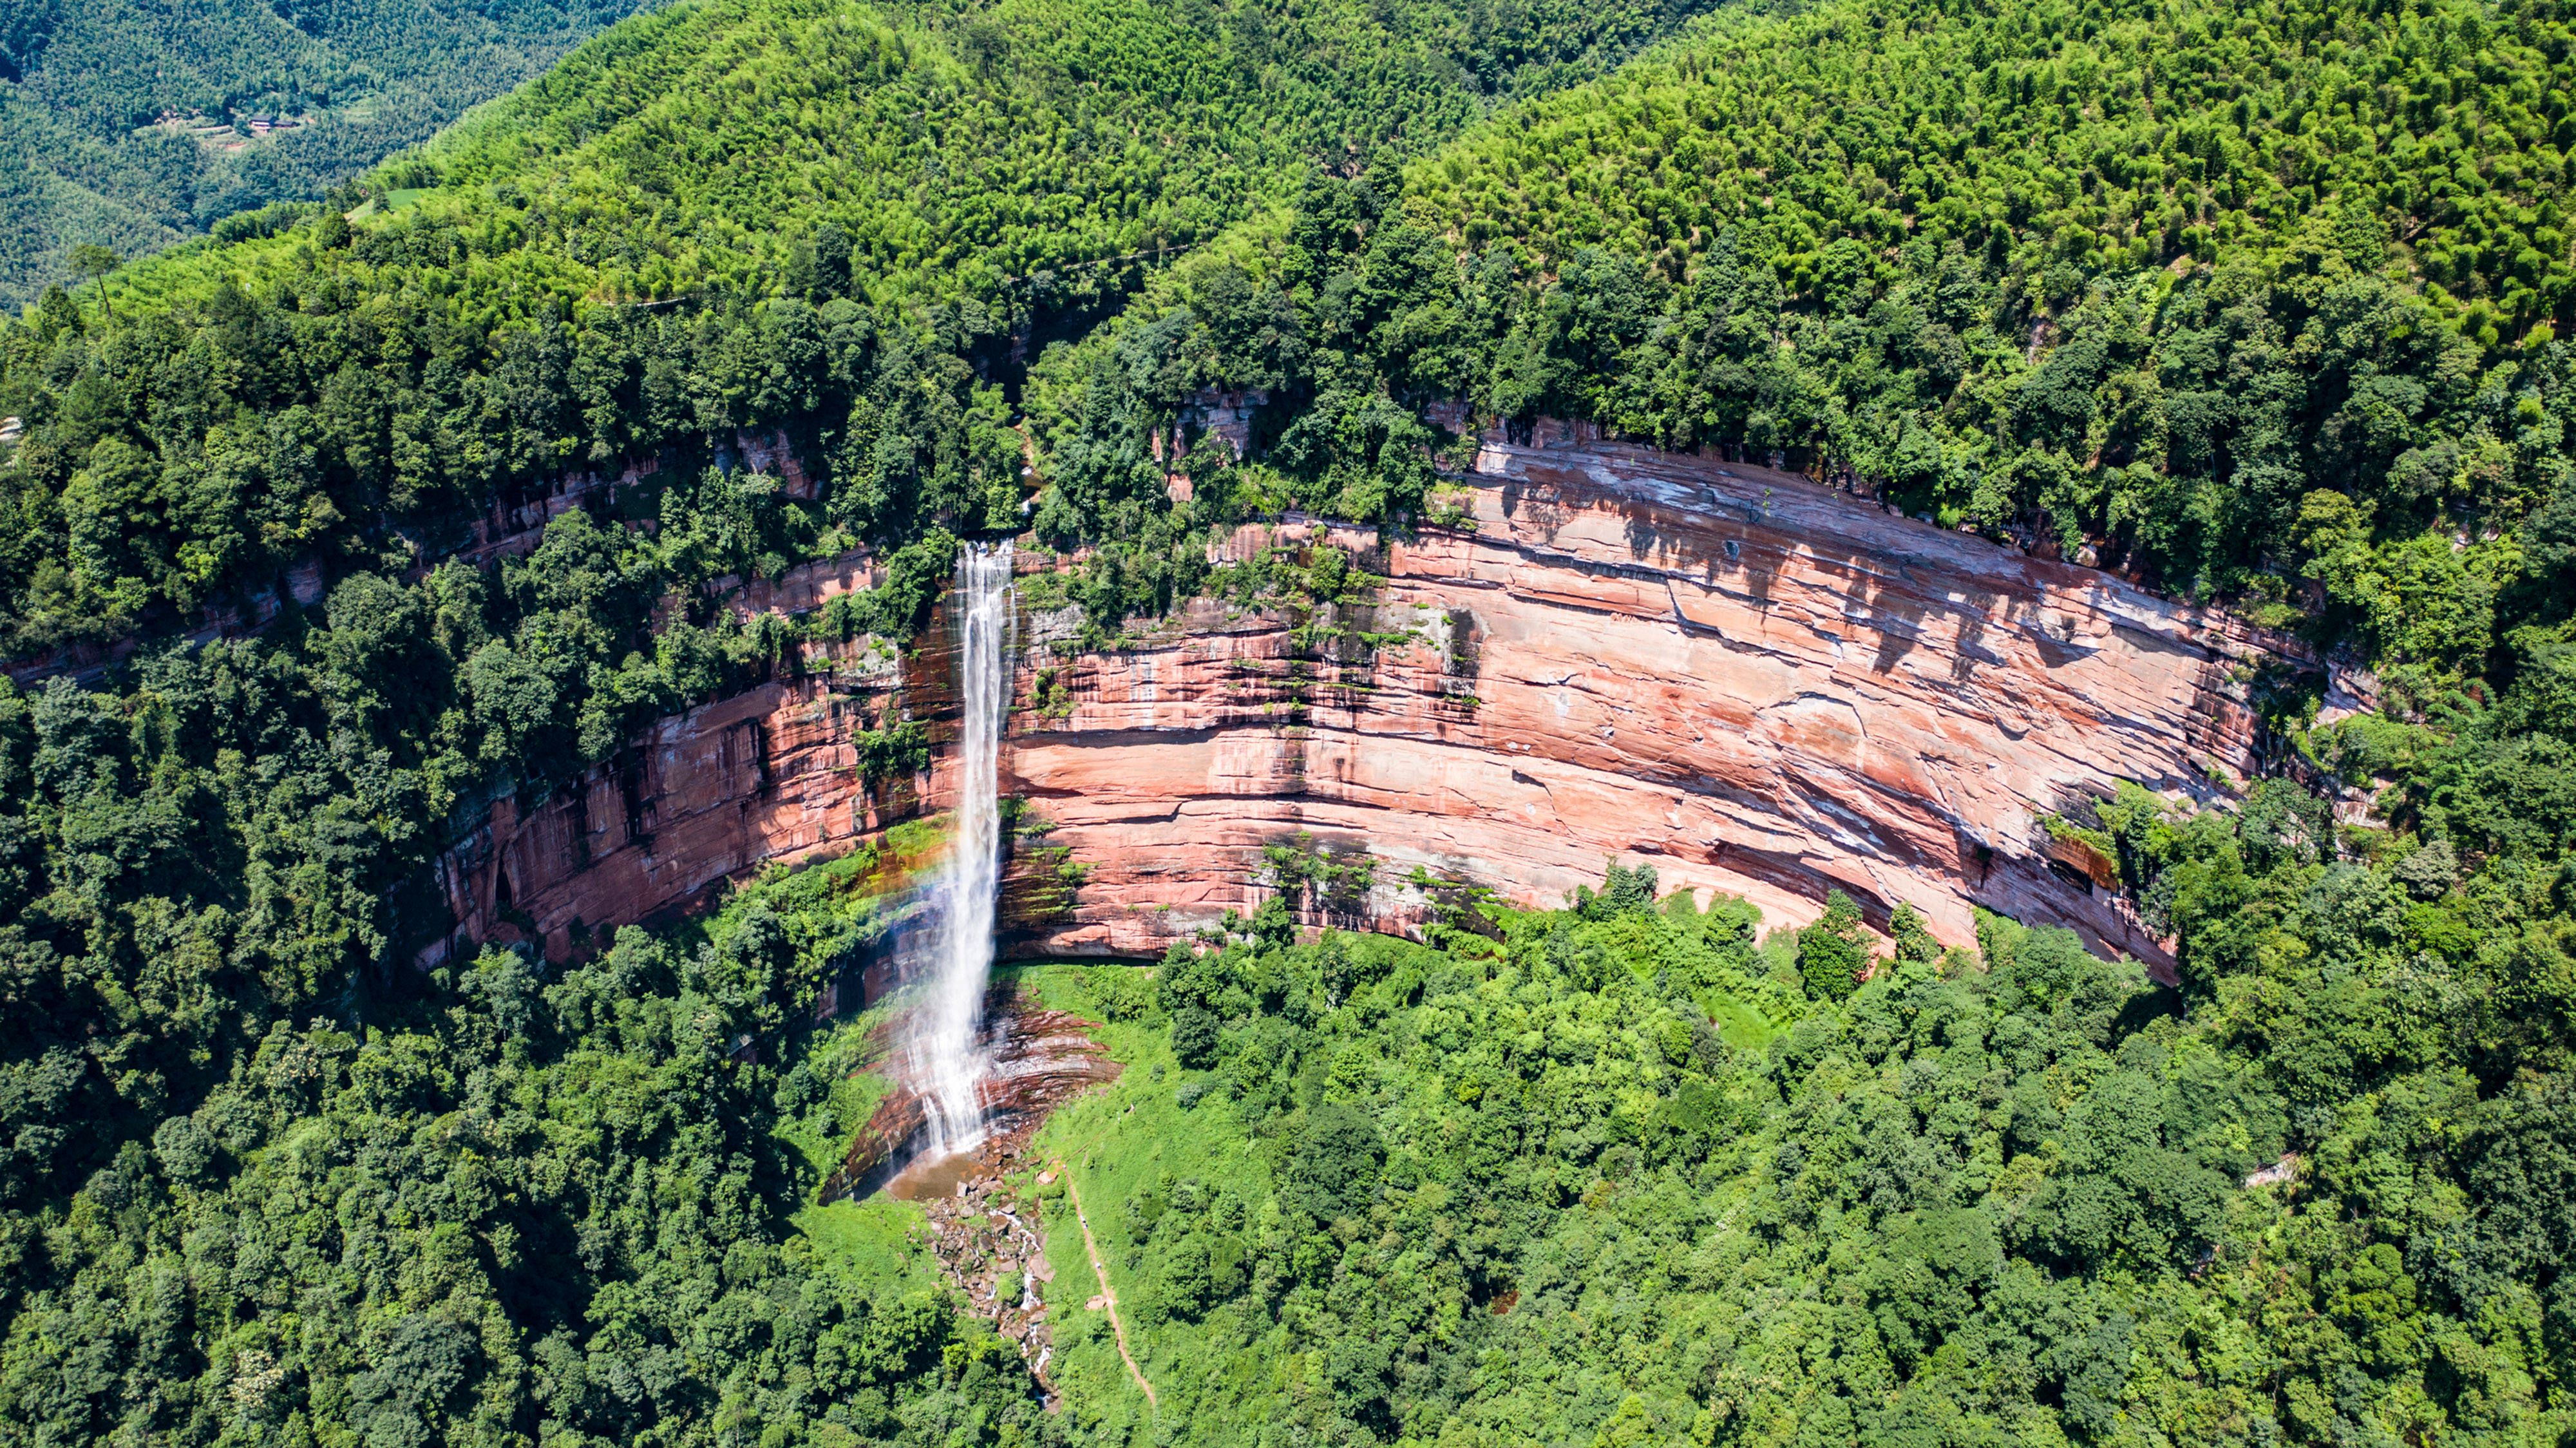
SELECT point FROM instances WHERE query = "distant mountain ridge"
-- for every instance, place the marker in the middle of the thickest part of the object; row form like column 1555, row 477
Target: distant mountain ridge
column 137, row 123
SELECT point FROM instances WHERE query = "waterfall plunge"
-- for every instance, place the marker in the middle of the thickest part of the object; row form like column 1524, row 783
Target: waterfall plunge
column 948, row 1060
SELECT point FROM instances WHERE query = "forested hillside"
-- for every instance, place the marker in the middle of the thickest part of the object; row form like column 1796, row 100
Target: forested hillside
column 846, row 214
column 213, row 866
column 981, row 150
column 1622, row 1174
column 2260, row 303
column 263, row 104
column 523, row 1207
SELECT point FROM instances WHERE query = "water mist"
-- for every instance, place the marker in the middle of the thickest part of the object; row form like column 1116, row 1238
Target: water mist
column 948, row 1059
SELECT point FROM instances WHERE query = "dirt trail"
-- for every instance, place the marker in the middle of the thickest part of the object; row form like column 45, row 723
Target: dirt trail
column 1108, row 1294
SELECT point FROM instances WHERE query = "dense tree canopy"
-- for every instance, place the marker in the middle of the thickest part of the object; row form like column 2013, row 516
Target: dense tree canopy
column 261, row 1183
column 2261, row 303
column 848, row 214
column 528, row 1206
column 134, row 125
column 1630, row 1173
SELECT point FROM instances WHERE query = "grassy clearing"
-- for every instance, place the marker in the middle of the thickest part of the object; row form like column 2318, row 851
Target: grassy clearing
column 1117, row 1143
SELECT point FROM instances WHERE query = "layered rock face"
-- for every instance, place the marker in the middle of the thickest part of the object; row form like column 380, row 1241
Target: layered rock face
column 1753, row 684
column 705, row 797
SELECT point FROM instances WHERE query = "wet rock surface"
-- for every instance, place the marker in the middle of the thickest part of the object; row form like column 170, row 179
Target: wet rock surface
column 1039, row 1059
column 986, row 1239
column 985, row 1229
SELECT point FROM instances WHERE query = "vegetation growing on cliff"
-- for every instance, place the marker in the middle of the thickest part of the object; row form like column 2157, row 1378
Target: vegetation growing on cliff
column 735, row 215
column 217, row 853
column 2262, row 302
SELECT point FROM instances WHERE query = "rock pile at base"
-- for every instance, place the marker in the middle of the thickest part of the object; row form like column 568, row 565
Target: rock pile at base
column 988, row 1246
column 985, row 1231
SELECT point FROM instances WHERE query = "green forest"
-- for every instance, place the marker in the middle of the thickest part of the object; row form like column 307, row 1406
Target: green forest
column 133, row 126
column 1637, row 1172
column 2260, row 305
column 518, row 1208
column 2269, row 313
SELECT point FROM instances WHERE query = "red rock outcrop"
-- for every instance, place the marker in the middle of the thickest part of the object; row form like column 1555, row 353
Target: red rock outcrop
column 768, row 776
column 1749, row 682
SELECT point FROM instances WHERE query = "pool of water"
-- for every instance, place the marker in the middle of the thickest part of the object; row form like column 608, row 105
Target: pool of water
column 925, row 1177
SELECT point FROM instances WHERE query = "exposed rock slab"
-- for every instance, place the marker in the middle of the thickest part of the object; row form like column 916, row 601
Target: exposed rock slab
column 1038, row 1059
column 1752, row 683
column 703, row 797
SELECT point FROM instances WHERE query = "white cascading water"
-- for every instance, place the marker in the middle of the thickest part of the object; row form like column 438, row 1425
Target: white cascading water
column 948, row 1060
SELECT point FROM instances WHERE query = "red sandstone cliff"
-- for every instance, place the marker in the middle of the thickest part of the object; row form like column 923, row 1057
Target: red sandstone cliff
column 1751, row 683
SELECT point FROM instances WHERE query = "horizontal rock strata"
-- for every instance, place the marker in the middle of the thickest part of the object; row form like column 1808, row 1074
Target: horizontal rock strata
column 1751, row 683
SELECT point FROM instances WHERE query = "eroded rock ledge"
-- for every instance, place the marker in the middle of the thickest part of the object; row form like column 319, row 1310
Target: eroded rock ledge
column 1751, row 683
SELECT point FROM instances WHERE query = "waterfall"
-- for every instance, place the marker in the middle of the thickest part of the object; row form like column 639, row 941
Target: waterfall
column 948, row 1060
